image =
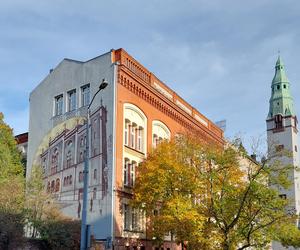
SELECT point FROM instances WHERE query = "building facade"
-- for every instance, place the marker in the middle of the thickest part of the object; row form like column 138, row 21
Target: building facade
column 282, row 134
column 22, row 145
column 128, row 118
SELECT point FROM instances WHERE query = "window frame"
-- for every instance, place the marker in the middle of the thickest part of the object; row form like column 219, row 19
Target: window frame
column 58, row 105
column 71, row 100
column 85, row 95
column 126, row 171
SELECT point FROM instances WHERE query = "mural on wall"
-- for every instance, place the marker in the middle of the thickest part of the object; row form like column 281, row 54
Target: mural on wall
column 61, row 156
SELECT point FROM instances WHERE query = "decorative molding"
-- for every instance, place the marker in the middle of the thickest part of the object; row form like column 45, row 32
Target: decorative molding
column 163, row 91
column 170, row 111
column 198, row 118
column 183, row 107
column 150, row 83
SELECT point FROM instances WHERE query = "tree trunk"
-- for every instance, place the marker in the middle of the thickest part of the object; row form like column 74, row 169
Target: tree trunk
column 226, row 244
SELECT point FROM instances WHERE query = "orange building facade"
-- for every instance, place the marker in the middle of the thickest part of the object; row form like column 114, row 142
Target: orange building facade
column 128, row 118
column 147, row 112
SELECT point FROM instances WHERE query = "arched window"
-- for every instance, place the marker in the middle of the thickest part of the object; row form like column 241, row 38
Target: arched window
column 70, row 181
column 80, row 176
column 94, row 193
column 160, row 132
column 57, row 185
column 54, row 161
column 69, row 158
column 95, row 174
column 44, row 165
column 278, row 121
column 135, row 127
column 48, row 187
column 52, row 186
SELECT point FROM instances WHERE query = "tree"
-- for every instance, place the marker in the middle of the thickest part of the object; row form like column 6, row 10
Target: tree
column 213, row 196
column 55, row 229
column 12, row 188
column 11, row 170
column 39, row 203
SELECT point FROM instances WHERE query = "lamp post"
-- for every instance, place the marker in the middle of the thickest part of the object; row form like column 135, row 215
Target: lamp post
column 84, row 226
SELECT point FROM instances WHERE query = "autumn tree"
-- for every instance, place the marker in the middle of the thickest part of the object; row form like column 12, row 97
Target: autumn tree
column 39, row 203
column 11, row 186
column 213, row 197
column 43, row 212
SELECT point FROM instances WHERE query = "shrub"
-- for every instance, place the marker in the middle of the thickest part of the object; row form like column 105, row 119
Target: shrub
column 11, row 230
column 60, row 234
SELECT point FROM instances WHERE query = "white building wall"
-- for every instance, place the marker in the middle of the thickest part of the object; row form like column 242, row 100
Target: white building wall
column 44, row 127
column 289, row 139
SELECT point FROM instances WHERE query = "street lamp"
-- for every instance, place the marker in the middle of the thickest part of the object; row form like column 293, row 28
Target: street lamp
column 84, row 226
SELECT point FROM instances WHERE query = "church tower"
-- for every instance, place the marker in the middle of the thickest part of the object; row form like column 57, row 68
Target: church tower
column 282, row 131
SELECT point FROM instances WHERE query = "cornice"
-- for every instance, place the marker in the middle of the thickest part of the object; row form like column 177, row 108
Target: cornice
column 143, row 90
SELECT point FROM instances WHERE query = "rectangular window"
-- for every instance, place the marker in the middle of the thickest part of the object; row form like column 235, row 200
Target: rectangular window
column 126, row 217
column 132, row 174
column 59, row 101
column 140, row 139
column 134, row 222
column 132, row 136
column 126, row 172
column 72, row 100
column 85, row 95
column 126, row 133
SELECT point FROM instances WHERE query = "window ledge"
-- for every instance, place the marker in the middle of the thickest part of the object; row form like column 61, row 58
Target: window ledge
column 134, row 151
column 133, row 231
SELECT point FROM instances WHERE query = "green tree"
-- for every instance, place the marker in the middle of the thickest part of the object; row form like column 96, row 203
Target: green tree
column 55, row 229
column 11, row 186
column 213, row 197
column 39, row 203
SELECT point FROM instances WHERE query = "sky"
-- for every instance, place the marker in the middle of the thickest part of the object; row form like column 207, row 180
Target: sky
column 219, row 55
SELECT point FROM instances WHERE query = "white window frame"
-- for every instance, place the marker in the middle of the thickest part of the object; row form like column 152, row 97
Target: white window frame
column 126, row 166
column 140, row 139
column 72, row 100
column 132, row 173
column 58, row 105
column 85, row 95
column 132, row 135
column 126, row 132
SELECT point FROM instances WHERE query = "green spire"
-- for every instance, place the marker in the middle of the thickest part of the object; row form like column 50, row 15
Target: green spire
column 281, row 101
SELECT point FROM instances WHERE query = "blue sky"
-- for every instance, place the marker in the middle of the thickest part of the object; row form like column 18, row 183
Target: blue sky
column 218, row 55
